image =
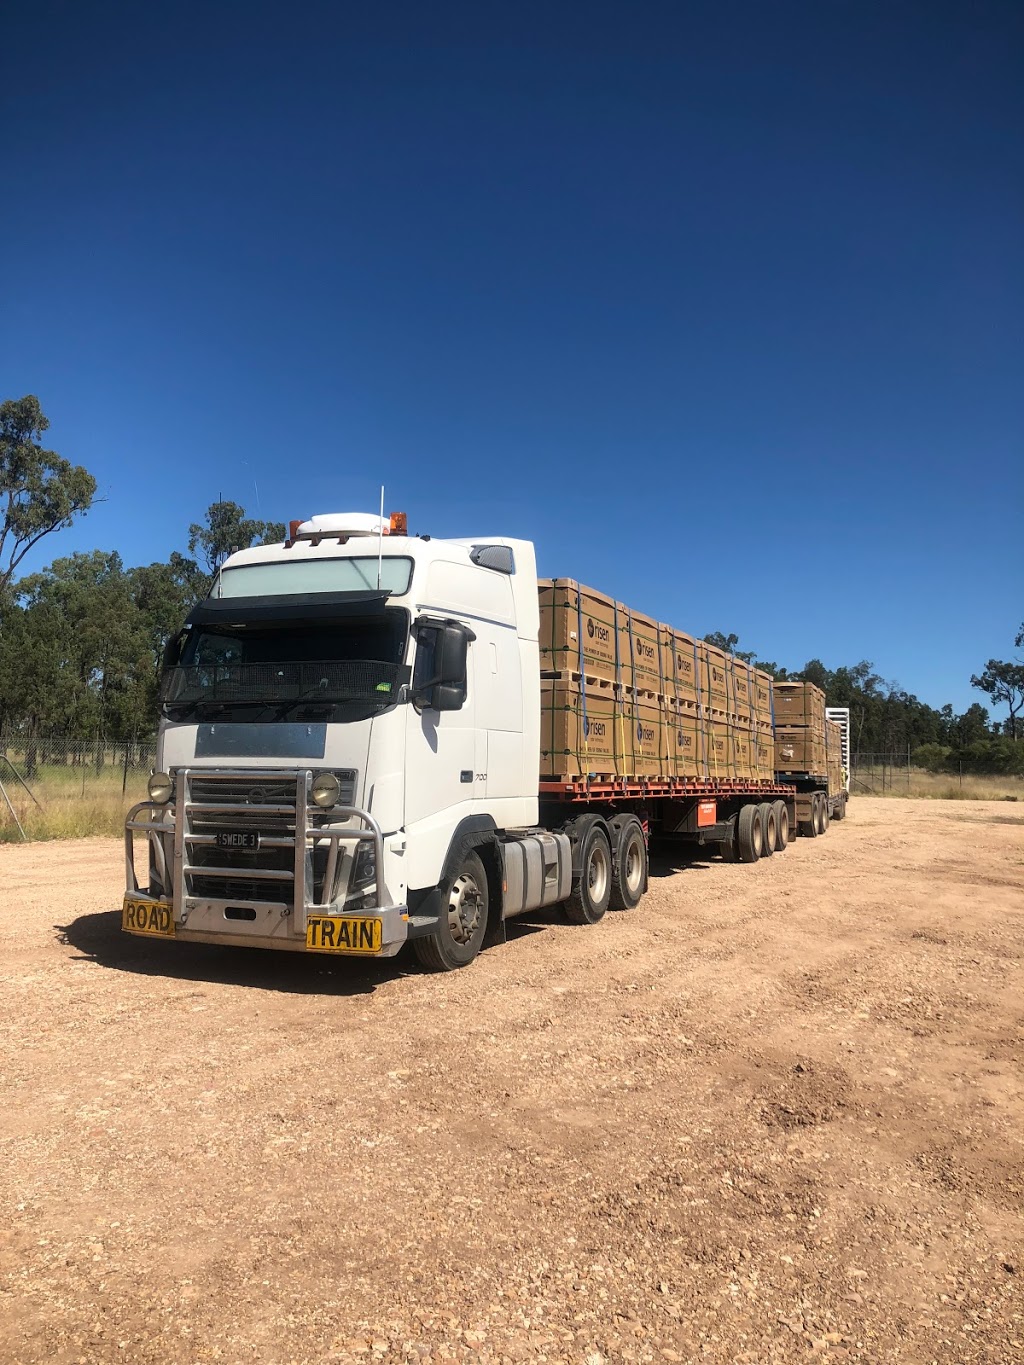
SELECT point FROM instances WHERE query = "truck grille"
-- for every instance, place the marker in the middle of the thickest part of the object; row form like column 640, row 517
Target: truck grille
column 257, row 805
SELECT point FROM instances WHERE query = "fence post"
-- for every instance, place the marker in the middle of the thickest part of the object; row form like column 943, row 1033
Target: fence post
column 908, row 769
column 124, row 779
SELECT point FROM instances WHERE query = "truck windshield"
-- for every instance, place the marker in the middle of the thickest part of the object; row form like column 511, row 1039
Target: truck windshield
column 331, row 670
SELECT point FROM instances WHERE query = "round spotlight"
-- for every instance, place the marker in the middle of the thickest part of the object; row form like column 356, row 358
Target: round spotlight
column 161, row 788
column 325, row 789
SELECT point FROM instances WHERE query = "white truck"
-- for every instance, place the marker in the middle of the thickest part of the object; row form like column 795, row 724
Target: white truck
column 348, row 759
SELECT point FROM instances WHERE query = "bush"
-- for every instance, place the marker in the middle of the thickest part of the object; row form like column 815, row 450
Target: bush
column 934, row 758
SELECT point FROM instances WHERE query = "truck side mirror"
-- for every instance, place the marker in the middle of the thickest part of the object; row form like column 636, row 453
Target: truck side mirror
column 439, row 683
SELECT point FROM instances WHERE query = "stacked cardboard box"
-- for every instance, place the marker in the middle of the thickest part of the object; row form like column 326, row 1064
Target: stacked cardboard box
column 800, row 728
column 624, row 695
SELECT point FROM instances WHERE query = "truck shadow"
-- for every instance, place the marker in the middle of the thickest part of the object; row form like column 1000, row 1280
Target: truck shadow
column 668, row 861
column 98, row 938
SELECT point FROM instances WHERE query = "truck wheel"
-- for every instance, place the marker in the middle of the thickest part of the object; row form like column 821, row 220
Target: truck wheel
column 591, row 894
column 629, row 866
column 826, row 819
column 816, row 820
column 781, row 825
column 769, row 829
column 840, row 811
column 809, row 827
column 460, row 935
column 749, row 834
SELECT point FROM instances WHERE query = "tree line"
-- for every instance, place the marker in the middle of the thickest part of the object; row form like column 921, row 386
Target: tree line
column 890, row 722
column 81, row 641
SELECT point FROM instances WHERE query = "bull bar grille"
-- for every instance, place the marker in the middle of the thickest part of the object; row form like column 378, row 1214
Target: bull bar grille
column 297, row 864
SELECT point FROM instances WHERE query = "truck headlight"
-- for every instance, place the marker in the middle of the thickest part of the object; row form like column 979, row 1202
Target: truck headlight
column 161, row 788
column 364, row 867
column 325, row 789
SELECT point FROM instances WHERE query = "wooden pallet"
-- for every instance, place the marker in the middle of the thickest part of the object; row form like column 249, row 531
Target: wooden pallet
column 569, row 676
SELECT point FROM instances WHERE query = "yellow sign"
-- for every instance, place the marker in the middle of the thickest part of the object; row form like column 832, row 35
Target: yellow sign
column 343, row 934
column 147, row 917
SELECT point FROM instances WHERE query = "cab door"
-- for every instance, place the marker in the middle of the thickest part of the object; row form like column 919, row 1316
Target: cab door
column 446, row 750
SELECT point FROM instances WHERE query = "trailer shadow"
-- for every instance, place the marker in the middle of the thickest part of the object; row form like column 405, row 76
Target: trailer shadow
column 666, row 860
column 98, row 939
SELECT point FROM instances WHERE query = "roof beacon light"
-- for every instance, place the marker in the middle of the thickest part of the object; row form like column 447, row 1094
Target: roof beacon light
column 399, row 524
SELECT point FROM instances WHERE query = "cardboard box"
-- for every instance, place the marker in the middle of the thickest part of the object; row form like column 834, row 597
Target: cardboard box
column 567, row 609
column 678, row 664
column 762, row 695
column 742, row 755
column 649, row 735
column 577, row 739
column 799, row 749
column 740, row 685
column 721, row 758
column 640, row 651
column 799, row 703
column 686, row 743
column 764, row 753
column 714, row 687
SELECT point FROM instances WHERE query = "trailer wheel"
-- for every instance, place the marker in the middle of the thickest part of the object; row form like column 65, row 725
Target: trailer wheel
column 729, row 846
column 826, row 819
column 460, row 935
column 809, row 827
column 629, row 866
column 781, row 825
column 769, row 829
column 816, row 814
column 749, row 834
column 840, row 811
column 591, row 894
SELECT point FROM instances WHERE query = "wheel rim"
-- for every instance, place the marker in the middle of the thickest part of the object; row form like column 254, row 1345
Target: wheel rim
column 598, row 872
column 634, row 866
column 757, row 837
column 464, row 908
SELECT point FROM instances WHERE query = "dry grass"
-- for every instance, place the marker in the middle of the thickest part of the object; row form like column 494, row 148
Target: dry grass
column 73, row 803
column 917, row 782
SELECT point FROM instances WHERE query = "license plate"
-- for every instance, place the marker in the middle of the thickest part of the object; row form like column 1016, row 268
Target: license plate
column 238, row 838
column 343, row 934
column 147, row 917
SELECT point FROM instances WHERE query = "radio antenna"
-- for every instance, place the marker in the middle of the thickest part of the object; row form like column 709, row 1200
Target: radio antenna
column 380, row 538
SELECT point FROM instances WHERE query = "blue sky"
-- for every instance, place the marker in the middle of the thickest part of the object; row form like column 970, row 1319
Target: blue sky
column 719, row 303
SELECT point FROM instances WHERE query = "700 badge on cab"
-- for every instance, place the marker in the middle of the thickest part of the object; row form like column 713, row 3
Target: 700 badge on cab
column 147, row 917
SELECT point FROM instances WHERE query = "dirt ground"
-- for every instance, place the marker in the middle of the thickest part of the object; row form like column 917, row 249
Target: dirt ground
column 776, row 1113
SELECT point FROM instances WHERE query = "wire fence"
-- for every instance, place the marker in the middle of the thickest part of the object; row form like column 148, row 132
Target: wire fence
column 889, row 774
column 64, row 764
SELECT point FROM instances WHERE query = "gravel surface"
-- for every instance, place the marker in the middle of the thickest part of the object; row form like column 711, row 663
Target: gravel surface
column 776, row 1113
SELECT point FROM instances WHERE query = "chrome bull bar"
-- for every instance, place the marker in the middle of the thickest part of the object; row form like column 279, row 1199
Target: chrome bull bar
column 164, row 823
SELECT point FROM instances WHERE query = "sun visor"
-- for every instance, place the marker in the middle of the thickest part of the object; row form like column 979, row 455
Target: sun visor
column 319, row 606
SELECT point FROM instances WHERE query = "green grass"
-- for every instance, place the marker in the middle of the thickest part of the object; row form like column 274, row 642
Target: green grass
column 73, row 803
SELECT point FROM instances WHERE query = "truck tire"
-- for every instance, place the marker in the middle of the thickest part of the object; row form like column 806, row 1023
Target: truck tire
column 826, row 819
column 769, row 830
column 816, row 819
column 809, row 827
column 840, row 811
column 749, row 834
column 591, row 893
column 460, row 935
column 781, row 825
column 629, row 866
